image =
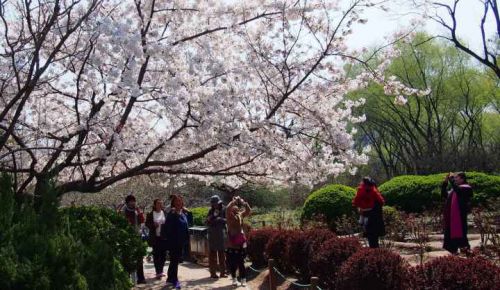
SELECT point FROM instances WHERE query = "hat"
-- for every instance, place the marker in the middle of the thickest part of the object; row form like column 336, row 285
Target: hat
column 215, row 199
column 129, row 198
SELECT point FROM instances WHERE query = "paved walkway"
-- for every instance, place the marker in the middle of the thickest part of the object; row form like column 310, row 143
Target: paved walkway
column 192, row 276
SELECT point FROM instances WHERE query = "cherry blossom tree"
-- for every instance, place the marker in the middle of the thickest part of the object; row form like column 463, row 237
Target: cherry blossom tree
column 94, row 92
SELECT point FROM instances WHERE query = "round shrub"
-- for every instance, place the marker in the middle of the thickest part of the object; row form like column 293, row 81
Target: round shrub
column 374, row 269
column 452, row 272
column 332, row 202
column 326, row 262
column 199, row 215
column 416, row 193
column 257, row 241
column 297, row 252
column 412, row 193
column 318, row 237
column 110, row 247
column 276, row 248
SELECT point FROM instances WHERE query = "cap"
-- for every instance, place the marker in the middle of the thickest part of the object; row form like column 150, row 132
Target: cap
column 215, row 199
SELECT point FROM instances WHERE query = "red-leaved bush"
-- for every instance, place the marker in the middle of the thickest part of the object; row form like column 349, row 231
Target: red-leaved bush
column 326, row 261
column 257, row 241
column 377, row 269
column 276, row 248
column 297, row 252
column 453, row 273
column 318, row 237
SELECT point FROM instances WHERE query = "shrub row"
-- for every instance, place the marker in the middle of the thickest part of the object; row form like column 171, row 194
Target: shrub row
column 291, row 249
column 341, row 263
column 416, row 193
column 409, row 193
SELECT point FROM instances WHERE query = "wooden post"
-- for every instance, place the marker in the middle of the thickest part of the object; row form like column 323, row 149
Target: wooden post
column 314, row 283
column 263, row 224
column 272, row 278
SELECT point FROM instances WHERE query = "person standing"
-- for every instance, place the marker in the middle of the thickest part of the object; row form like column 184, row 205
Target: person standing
column 154, row 221
column 216, row 222
column 135, row 217
column 236, row 211
column 369, row 202
column 457, row 206
column 186, row 253
column 175, row 232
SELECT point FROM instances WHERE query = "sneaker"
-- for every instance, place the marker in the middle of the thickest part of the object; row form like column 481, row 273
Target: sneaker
column 177, row 285
column 141, row 282
column 243, row 282
column 235, row 282
column 214, row 276
column 223, row 275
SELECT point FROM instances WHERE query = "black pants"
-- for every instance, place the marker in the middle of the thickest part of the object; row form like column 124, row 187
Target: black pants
column 175, row 258
column 140, row 270
column 373, row 241
column 236, row 261
column 159, row 256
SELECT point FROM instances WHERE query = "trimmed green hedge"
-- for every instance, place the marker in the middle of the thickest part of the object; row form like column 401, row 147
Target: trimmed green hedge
column 416, row 193
column 199, row 215
column 331, row 201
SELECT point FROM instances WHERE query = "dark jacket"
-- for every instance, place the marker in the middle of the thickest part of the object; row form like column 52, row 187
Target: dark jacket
column 375, row 226
column 175, row 231
column 216, row 229
column 152, row 239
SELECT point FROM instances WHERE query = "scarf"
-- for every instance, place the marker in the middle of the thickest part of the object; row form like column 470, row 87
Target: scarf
column 456, row 229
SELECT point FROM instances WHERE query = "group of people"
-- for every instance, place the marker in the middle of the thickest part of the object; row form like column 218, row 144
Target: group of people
column 168, row 233
column 456, row 192
column 168, row 227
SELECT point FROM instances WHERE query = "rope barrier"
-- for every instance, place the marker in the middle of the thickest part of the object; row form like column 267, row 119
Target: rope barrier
column 256, row 270
column 292, row 282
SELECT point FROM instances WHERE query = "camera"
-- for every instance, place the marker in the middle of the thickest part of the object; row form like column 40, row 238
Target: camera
column 239, row 201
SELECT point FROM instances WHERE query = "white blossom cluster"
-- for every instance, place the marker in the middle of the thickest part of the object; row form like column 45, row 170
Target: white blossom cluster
column 227, row 90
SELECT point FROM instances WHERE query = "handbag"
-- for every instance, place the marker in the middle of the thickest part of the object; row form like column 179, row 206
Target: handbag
column 238, row 239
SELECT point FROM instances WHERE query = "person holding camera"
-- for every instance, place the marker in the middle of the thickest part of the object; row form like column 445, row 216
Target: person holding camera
column 236, row 211
column 457, row 206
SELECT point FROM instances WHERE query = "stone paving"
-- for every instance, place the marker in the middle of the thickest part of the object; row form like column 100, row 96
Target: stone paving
column 194, row 276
